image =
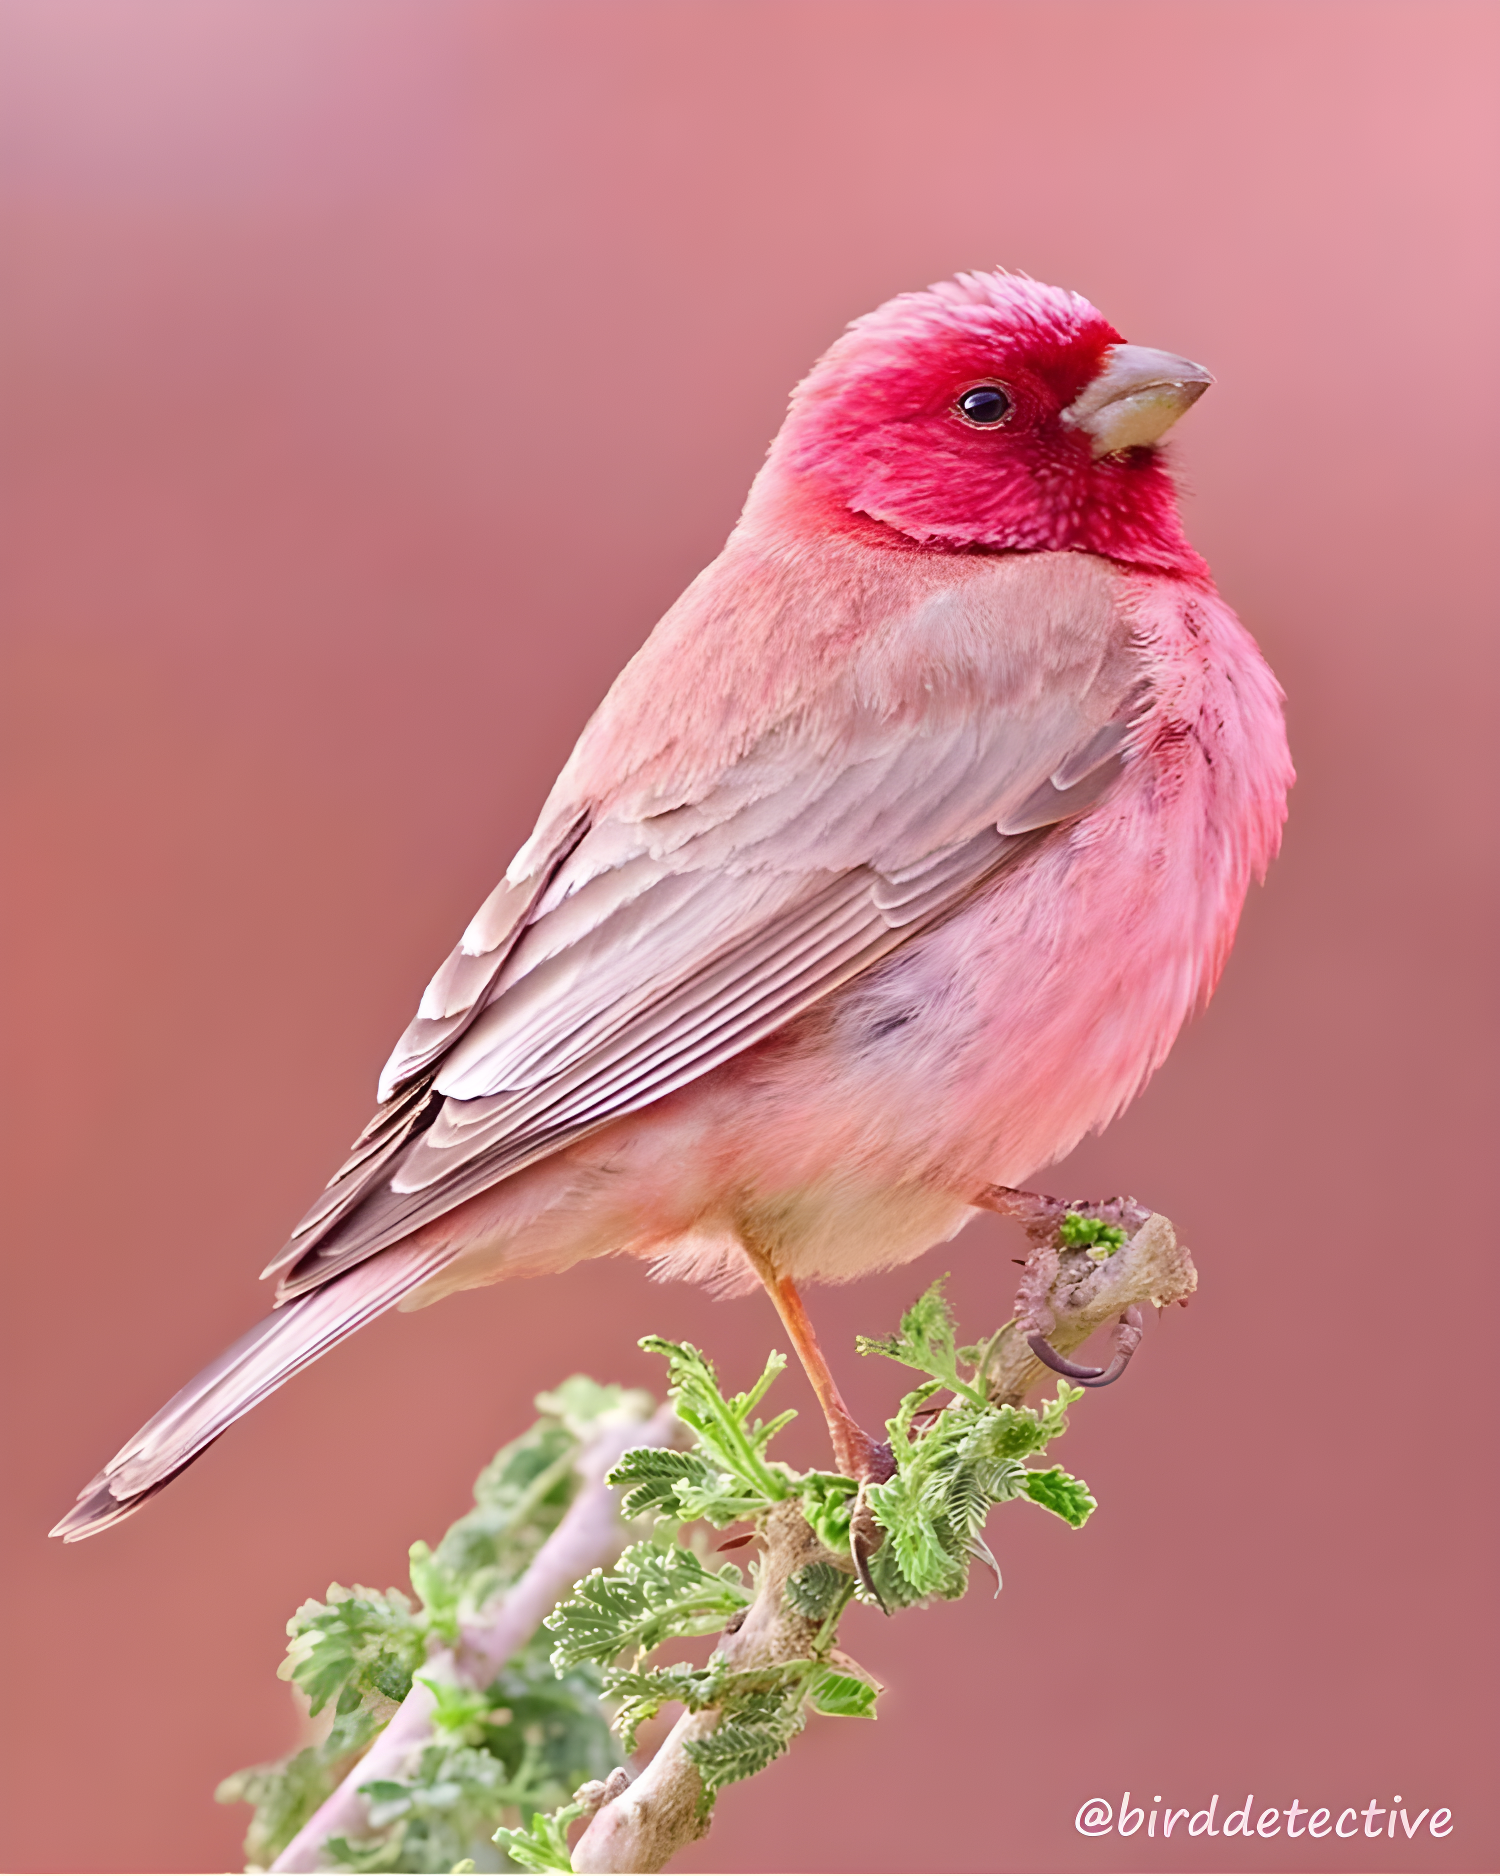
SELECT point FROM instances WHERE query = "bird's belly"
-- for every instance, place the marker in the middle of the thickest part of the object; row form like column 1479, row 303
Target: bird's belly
column 982, row 1051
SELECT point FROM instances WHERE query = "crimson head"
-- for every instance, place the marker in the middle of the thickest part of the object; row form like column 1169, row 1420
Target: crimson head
column 992, row 412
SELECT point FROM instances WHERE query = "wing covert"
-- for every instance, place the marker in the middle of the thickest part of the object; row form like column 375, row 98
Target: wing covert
column 666, row 934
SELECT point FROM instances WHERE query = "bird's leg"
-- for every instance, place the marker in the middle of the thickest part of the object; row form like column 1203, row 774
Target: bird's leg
column 855, row 1454
column 1042, row 1219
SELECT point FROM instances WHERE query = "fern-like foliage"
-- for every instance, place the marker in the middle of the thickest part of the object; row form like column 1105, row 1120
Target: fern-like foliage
column 651, row 1477
column 753, row 1732
column 949, row 1473
column 925, row 1341
column 729, row 1438
column 817, row 1589
column 1058, row 1491
column 516, row 1749
column 655, row 1592
column 512, row 1753
column 359, row 1646
column 543, row 1844
column 954, row 1462
column 286, row 1793
column 843, row 1695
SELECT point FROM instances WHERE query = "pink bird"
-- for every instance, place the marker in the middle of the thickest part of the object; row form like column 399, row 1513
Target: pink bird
column 889, row 867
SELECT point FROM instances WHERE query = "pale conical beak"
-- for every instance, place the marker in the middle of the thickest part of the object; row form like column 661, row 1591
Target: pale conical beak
column 1135, row 398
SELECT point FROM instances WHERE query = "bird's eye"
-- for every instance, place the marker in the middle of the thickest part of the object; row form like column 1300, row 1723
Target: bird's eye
column 986, row 405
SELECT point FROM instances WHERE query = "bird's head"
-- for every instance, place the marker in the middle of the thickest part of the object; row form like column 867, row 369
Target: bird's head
column 992, row 412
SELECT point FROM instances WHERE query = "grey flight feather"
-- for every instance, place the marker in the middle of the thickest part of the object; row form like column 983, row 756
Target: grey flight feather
column 274, row 1350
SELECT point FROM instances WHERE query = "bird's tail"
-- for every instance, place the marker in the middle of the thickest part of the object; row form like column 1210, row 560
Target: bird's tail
column 272, row 1352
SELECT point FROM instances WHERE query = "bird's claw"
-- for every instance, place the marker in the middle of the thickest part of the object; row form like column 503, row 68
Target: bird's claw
column 865, row 1533
column 1128, row 1332
column 865, row 1538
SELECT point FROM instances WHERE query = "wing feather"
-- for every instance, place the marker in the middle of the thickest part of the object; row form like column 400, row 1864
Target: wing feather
column 457, row 992
column 673, row 928
column 272, row 1352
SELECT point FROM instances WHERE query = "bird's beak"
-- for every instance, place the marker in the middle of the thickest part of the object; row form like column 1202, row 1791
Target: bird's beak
column 1135, row 398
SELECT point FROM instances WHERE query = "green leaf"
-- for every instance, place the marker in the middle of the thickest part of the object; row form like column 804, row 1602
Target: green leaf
column 285, row 1794
column 357, row 1642
column 452, row 1800
column 925, row 1340
column 543, row 1844
column 642, row 1693
column 652, row 1474
column 386, row 1799
column 718, row 1502
column 383, row 1853
column 844, row 1696
column 1059, row 1491
column 458, row 1710
column 1080, row 1232
column 1052, row 1415
column 1015, row 1433
column 654, row 1591
column 930, row 1557
column 746, row 1740
column 948, row 1474
column 582, row 1404
column 438, row 1590
column 683, row 1487
column 828, row 1505
column 814, row 1591
column 727, row 1434
column 519, row 1500
column 557, row 1720
column 894, row 1589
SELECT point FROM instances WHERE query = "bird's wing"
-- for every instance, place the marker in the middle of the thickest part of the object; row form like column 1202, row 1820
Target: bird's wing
column 652, row 943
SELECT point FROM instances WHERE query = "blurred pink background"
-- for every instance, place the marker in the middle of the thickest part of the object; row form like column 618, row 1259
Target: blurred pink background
column 374, row 376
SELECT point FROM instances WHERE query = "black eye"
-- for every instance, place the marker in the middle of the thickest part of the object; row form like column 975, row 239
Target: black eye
column 986, row 404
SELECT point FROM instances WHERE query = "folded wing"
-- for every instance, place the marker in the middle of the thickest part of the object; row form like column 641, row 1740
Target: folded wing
column 647, row 947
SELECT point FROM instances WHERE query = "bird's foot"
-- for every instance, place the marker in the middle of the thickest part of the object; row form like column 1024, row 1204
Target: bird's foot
column 871, row 1465
column 1128, row 1332
column 1099, row 1226
column 1042, row 1218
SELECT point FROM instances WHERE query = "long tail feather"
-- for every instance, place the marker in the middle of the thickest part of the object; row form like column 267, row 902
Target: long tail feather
column 272, row 1352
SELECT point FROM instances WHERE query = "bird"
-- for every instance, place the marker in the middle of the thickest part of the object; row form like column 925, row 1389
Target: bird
column 889, row 867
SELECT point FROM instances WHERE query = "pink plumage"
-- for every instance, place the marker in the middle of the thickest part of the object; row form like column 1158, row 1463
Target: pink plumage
column 890, row 865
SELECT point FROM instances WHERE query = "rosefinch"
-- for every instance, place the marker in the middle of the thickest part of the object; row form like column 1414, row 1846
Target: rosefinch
column 889, row 867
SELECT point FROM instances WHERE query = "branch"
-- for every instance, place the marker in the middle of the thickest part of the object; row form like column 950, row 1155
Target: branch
column 1068, row 1294
column 650, row 1820
column 590, row 1534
